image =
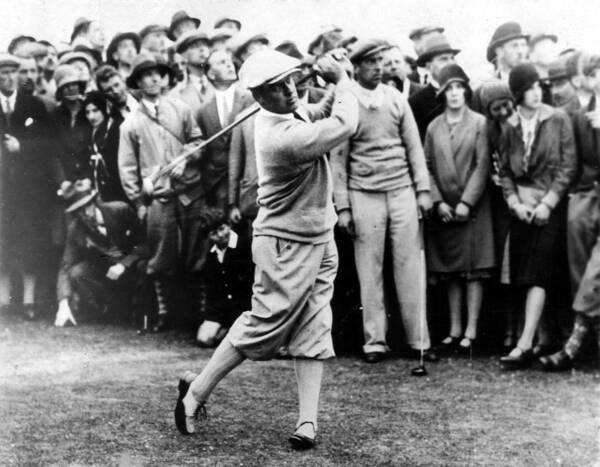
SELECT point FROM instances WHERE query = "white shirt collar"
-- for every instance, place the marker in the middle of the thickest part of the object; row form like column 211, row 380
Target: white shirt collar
column 151, row 107
column 233, row 241
column 225, row 96
column 12, row 99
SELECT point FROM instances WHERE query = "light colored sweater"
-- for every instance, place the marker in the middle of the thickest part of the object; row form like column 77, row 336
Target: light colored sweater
column 294, row 181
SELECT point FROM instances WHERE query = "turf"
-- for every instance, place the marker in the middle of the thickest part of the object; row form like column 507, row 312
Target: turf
column 102, row 395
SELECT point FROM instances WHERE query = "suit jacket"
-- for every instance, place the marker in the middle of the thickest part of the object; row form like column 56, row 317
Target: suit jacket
column 123, row 242
column 588, row 152
column 216, row 155
column 192, row 97
column 459, row 168
column 243, row 177
column 425, row 107
column 69, row 144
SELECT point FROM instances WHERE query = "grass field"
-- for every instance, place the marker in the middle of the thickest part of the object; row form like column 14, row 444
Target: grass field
column 101, row 395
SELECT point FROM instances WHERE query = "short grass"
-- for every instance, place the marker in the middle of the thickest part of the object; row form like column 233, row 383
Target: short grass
column 102, row 395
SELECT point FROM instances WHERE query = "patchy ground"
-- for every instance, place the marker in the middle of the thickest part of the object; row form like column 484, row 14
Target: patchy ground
column 101, row 395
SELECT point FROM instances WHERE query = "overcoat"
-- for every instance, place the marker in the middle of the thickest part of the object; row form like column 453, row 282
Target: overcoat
column 459, row 166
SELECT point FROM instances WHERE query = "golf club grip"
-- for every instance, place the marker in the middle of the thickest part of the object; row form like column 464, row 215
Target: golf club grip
column 247, row 113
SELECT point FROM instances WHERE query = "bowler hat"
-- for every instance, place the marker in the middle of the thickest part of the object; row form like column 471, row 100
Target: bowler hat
column 364, row 48
column 115, row 41
column 78, row 194
column 143, row 62
column 80, row 23
column 14, row 43
column 452, row 73
column 521, row 78
column 219, row 23
column 419, row 32
column 177, row 19
column 8, row 60
column 152, row 28
column 267, row 67
column 435, row 45
column 188, row 38
column 241, row 41
column 504, row 33
column 493, row 90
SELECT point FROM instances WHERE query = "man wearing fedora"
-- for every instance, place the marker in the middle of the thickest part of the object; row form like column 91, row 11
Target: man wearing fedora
column 381, row 191
column 122, row 50
column 26, row 184
column 508, row 47
column 564, row 93
column 99, row 265
column 293, row 246
column 157, row 132
column 419, row 36
column 153, row 39
column 181, row 22
column 194, row 47
column 437, row 53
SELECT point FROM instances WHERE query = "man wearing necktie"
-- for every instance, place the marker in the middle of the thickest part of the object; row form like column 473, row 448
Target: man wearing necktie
column 26, row 188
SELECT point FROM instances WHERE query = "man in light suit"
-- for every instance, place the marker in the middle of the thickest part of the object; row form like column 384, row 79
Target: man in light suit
column 226, row 101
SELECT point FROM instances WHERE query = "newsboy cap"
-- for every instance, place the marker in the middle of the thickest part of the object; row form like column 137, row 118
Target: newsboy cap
column 178, row 18
column 435, row 45
column 364, row 48
column 504, row 33
column 8, row 60
column 419, row 32
column 143, row 62
column 188, row 38
column 267, row 67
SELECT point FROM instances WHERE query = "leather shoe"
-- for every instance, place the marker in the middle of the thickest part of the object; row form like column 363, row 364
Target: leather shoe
column 182, row 421
column 302, row 442
column 522, row 359
column 373, row 357
column 429, row 355
column 559, row 361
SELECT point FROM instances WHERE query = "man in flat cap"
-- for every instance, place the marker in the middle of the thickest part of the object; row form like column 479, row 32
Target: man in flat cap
column 381, row 190
column 194, row 47
column 419, row 36
column 26, row 184
column 157, row 132
column 437, row 53
column 182, row 22
column 293, row 247
column 122, row 50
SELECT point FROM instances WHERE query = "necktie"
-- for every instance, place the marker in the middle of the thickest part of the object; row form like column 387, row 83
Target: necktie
column 9, row 111
column 425, row 78
column 297, row 116
column 226, row 110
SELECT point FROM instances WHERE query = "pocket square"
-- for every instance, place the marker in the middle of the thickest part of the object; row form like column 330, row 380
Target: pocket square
column 29, row 121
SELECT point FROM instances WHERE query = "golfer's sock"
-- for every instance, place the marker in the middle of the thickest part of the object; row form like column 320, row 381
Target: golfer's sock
column 190, row 403
column 581, row 327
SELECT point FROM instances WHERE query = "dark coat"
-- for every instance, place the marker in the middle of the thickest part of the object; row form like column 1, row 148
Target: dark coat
column 229, row 285
column 216, row 155
column 460, row 175
column 425, row 107
column 27, row 186
column 70, row 143
column 243, row 176
column 588, row 152
column 122, row 244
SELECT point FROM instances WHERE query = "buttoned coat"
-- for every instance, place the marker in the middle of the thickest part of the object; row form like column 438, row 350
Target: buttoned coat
column 215, row 160
column 460, row 175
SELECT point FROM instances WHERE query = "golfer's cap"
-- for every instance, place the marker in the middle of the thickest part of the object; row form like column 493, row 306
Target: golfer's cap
column 267, row 67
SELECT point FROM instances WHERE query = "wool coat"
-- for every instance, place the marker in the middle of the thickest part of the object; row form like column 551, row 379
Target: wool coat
column 459, row 164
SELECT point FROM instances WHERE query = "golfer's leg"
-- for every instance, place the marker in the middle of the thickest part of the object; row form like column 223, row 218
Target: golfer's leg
column 370, row 219
column 309, row 373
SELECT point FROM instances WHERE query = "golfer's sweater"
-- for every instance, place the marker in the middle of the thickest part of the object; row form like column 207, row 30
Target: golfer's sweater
column 294, row 181
column 385, row 153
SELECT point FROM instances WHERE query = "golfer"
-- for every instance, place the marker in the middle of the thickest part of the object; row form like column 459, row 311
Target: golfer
column 293, row 248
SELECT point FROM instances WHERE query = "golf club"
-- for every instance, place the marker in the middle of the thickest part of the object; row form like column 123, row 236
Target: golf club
column 421, row 370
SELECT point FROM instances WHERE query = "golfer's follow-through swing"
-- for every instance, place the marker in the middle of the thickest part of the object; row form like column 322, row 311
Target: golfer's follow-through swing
column 293, row 247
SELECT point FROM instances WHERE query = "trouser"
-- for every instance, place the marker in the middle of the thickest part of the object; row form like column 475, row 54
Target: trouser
column 375, row 215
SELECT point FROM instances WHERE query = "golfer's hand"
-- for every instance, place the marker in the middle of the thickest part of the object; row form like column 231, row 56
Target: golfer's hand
column 235, row 215
column 462, row 212
column 142, row 212
column 424, row 203
column 64, row 314
column 115, row 271
column 522, row 212
column 11, row 144
column 445, row 212
column 177, row 171
column 330, row 69
column 345, row 223
column 540, row 215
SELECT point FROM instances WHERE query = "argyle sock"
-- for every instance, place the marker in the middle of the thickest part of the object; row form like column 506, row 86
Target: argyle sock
column 581, row 327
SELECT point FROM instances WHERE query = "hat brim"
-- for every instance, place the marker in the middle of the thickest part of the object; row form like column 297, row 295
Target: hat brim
column 282, row 76
column 114, row 44
column 220, row 23
column 456, row 79
column 359, row 58
column 183, row 46
column 491, row 52
column 176, row 23
column 82, row 87
column 163, row 69
column 9, row 63
column 425, row 57
column 418, row 33
column 550, row 79
column 81, row 202
column 257, row 38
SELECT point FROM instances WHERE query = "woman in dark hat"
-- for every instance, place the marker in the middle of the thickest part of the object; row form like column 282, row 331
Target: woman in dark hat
column 103, row 148
column 460, row 235
column 537, row 164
